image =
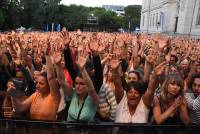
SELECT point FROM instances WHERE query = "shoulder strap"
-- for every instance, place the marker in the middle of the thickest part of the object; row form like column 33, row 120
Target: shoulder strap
column 79, row 113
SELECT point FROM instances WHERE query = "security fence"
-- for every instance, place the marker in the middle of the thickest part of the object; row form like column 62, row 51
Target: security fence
column 43, row 127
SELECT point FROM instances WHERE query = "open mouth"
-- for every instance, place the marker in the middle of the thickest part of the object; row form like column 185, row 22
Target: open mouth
column 133, row 99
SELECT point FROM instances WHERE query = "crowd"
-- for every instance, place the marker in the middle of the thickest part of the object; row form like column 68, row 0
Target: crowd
column 109, row 77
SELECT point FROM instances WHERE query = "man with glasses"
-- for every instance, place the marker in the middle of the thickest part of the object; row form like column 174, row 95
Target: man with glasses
column 193, row 99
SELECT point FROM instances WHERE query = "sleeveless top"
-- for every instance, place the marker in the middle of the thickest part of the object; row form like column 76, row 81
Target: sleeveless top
column 175, row 119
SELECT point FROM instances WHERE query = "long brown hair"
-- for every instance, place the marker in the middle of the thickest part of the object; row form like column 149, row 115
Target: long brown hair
column 174, row 78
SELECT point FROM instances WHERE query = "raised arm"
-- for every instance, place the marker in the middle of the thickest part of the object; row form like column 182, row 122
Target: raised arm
column 69, row 64
column 60, row 75
column 53, row 85
column 148, row 67
column 149, row 94
column 91, row 90
column 98, row 77
column 119, row 91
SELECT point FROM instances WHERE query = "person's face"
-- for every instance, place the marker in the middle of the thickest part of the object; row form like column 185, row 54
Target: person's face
column 132, row 77
column 80, row 85
column 42, row 85
column 36, row 74
column 133, row 97
column 37, row 60
column 19, row 75
column 173, row 89
column 196, row 86
column 184, row 66
column 173, row 69
column 198, row 69
column 172, row 60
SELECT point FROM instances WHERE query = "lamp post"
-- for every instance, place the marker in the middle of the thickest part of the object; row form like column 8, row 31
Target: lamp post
column 129, row 23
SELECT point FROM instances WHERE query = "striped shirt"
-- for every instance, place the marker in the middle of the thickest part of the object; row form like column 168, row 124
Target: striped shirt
column 107, row 101
column 194, row 107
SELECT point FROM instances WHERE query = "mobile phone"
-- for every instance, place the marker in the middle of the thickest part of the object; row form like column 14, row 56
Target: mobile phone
column 14, row 93
column 18, row 84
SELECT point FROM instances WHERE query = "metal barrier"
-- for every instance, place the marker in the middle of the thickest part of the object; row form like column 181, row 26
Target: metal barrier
column 44, row 127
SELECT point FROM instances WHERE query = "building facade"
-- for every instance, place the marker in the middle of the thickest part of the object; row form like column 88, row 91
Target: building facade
column 171, row 16
column 119, row 10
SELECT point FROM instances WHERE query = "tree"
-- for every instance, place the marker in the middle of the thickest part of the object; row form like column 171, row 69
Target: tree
column 132, row 15
column 34, row 13
column 107, row 19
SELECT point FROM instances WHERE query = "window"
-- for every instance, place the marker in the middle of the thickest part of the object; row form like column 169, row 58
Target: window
column 198, row 17
column 156, row 18
column 150, row 20
column 143, row 20
column 153, row 20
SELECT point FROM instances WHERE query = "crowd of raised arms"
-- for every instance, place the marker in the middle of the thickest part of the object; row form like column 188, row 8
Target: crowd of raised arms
column 108, row 77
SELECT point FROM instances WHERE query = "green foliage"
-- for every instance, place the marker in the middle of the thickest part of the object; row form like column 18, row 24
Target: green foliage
column 35, row 13
column 75, row 16
column 2, row 19
column 132, row 15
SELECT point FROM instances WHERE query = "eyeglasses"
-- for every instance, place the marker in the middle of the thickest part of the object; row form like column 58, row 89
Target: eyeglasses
column 79, row 83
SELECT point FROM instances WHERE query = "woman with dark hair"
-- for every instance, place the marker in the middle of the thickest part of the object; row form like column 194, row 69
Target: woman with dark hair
column 134, row 103
column 84, row 98
column 169, row 105
column 133, row 76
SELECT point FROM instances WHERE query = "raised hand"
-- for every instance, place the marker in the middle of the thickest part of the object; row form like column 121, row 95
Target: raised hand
column 158, row 70
column 82, row 58
column 162, row 44
column 57, row 57
column 101, row 48
column 66, row 38
column 48, row 49
column 162, row 41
